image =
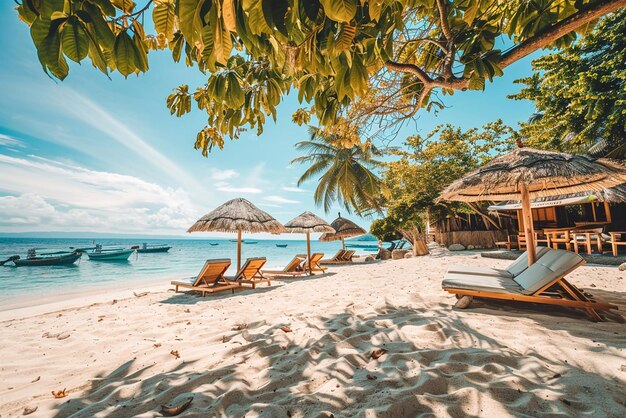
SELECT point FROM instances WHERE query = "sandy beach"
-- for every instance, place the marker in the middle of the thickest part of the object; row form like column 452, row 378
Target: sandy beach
column 302, row 348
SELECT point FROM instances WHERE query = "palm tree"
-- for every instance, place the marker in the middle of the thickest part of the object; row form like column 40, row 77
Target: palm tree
column 346, row 174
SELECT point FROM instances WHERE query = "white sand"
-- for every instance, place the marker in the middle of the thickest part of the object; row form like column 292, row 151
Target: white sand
column 492, row 360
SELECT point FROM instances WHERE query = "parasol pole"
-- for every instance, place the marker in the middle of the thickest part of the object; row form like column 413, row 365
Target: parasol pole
column 529, row 230
column 238, row 249
column 308, row 250
column 343, row 243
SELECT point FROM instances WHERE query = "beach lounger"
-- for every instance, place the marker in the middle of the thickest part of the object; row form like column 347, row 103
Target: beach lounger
column 210, row 279
column 345, row 257
column 337, row 258
column 518, row 266
column 315, row 264
column 293, row 269
column 543, row 282
column 250, row 273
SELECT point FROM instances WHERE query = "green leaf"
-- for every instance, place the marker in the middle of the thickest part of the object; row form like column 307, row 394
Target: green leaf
column 104, row 34
column 345, row 37
column 164, row 17
column 104, row 5
column 141, row 54
column 223, row 43
column 339, row 10
column 190, row 20
column 49, row 53
column 177, row 47
column 124, row 54
column 234, row 94
column 74, row 40
column 311, row 8
column 48, row 7
column 274, row 13
column 39, row 30
column 375, row 9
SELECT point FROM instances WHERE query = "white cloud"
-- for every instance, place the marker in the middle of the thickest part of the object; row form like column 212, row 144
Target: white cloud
column 279, row 199
column 9, row 141
column 47, row 195
column 222, row 175
column 228, row 188
column 294, row 189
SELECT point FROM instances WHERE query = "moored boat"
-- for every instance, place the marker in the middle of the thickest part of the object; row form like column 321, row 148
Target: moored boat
column 281, row 245
column 116, row 254
column 145, row 248
column 59, row 258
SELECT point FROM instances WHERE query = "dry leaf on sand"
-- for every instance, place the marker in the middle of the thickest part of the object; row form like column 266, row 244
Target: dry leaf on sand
column 28, row 410
column 175, row 353
column 376, row 354
column 140, row 294
column 240, row 327
column 285, row 329
column 171, row 411
column 59, row 393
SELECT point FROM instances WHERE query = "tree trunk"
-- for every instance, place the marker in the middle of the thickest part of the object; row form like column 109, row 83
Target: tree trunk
column 417, row 240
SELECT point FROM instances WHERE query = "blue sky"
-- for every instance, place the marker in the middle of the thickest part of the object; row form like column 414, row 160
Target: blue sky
column 93, row 154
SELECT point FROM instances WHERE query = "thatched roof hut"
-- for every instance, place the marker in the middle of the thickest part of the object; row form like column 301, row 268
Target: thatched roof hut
column 237, row 215
column 545, row 174
column 308, row 222
column 527, row 173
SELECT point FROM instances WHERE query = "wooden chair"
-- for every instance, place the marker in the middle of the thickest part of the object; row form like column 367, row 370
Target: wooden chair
column 315, row 264
column 210, row 279
column 615, row 241
column 292, row 269
column 543, row 282
column 347, row 256
column 250, row 273
column 510, row 243
column 587, row 237
column 558, row 236
column 337, row 258
column 542, row 238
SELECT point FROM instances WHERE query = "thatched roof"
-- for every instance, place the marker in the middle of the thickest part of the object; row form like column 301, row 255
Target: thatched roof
column 308, row 222
column 237, row 214
column 545, row 173
column 344, row 228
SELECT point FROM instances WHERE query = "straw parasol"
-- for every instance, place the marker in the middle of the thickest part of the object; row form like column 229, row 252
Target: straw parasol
column 305, row 224
column 344, row 228
column 527, row 173
column 237, row 215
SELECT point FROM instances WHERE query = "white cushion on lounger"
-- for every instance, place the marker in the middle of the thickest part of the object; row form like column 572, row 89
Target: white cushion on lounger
column 479, row 282
column 519, row 265
column 553, row 264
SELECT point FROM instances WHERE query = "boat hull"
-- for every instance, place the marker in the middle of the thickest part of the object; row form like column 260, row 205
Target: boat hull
column 63, row 260
column 111, row 256
column 153, row 250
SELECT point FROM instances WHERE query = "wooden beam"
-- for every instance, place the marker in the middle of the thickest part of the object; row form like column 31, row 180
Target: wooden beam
column 529, row 230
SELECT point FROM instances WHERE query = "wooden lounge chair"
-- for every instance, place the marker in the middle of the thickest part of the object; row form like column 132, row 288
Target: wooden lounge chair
column 344, row 258
column 293, row 268
column 315, row 264
column 337, row 258
column 543, row 282
column 518, row 266
column 210, row 279
column 250, row 273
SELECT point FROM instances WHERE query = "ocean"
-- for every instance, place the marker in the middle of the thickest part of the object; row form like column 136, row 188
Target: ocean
column 184, row 259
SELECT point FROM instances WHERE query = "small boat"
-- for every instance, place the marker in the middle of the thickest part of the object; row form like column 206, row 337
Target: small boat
column 281, row 245
column 234, row 240
column 58, row 258
column 145, row 248
column 251, row 242
column 214, row 243
column 115, row 254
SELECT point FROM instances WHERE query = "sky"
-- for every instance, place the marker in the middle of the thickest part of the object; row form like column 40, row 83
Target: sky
column 105, row 155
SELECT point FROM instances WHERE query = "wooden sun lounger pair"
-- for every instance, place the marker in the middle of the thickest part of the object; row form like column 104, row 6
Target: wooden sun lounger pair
column 543, row 282
column 342, row 257
column 211, row 278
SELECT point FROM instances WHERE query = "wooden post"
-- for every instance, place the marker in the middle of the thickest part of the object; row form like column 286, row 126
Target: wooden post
column 593, row 211
column 607, row 210
column 238, row 250
column 343, row 243
column 529, row 230
column 308, row 250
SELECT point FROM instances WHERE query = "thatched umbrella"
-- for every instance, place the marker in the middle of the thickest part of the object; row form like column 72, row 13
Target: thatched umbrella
column 237, row 215
column 344, row 228
column 527, row 173
column 305, row 224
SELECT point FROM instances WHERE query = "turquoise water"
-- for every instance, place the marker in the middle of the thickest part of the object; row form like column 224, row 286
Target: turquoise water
column 184, row 259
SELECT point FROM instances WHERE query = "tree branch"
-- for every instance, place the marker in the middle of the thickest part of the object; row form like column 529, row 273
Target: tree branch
column 591, row 12
column 445, row 26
